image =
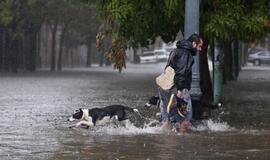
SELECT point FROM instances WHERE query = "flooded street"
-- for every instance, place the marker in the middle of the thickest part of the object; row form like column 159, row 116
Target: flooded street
column 34, row 108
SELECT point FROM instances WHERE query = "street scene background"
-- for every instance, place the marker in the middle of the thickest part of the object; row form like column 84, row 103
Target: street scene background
column 35, row 107
column 57, row 56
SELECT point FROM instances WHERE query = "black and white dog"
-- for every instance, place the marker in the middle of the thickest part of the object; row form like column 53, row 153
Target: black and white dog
column 90, row 117
column 153, row 101
column 153, row 105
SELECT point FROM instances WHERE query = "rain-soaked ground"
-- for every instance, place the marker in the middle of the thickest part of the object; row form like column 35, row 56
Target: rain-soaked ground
column 34, row 108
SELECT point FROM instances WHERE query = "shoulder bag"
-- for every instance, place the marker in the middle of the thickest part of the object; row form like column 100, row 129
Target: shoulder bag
column 166, row 79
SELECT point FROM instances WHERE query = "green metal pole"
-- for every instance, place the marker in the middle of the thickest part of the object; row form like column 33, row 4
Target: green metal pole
column 218, row 72
column 192, row 13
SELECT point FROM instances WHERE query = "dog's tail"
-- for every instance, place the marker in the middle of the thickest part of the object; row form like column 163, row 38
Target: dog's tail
column 131, row 109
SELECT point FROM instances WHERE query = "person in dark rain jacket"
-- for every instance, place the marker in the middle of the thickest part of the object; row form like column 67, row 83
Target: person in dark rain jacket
column 182, row 61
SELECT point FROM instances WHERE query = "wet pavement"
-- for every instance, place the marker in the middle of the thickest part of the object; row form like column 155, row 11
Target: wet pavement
column 34, row 108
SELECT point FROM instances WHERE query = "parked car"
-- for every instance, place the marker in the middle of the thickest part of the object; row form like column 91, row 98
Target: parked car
column 258, row 58
column 162, row 55
column 254, row 50
column 148, row 57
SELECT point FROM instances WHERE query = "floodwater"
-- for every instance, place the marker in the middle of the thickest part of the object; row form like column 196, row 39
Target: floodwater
column 34, row 108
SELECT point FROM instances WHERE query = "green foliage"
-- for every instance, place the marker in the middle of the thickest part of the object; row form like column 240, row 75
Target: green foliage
column 19, row 16
column 234, row 19
column 82, row 24
column 22, row 19
column 138, row 23
column 6, row 14
column 266, row 10
column 135, row 23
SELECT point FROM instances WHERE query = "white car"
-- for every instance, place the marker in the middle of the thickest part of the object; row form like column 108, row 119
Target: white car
column 162, row 54
column 148, row 57
column 261, row 57
column 169, row 49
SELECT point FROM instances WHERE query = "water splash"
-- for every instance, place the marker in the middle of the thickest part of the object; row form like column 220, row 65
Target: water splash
column 210, row 125
column 128, row 129
column 153, row 127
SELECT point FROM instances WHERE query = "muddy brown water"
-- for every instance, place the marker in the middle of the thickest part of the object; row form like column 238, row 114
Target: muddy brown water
column 34, row 108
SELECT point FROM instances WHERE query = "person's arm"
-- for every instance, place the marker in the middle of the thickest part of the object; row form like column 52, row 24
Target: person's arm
column 180, row 71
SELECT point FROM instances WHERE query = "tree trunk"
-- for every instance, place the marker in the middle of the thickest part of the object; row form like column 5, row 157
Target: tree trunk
column 89, row 60
column 32, row 65
column 29, row 48
column 32, row 52
column 236, row 59
column 233, row 61
column 20, row 54
column 14, row 48
column 107, row 43
column 38, row 44
column 101, row 58
column 136, row 58
column 108, row 62
column 47, row 48
column 71, row 57
column 205, row 78
column 245, row 55
column 6, row 51
column 11, row 58
column 227, row 71
column 2, row 44
column 59, row 64
column 53, row 49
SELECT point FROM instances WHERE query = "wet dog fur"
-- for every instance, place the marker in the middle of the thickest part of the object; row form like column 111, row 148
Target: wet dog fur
column 153, row 101
column 90, row 117
column 153, row 106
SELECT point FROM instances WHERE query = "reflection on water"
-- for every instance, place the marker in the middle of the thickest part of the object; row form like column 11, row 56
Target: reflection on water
column 35, row 106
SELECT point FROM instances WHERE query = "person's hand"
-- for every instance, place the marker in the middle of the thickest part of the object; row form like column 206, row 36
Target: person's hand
column 179, row 94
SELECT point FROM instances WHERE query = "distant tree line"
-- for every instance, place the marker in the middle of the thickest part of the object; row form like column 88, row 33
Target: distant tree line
column 71, row 23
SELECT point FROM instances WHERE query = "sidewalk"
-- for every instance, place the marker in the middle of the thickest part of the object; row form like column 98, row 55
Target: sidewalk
column 247, row 100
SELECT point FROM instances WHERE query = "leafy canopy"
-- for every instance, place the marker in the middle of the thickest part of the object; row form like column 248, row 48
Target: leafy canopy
column 233, row 19
column 138, row 23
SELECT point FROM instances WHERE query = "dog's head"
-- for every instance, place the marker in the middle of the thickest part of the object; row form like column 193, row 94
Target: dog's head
column 181, row 105
column 78, row 115
column 153, row 101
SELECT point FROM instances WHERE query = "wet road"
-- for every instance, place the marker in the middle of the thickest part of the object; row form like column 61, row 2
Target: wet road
column 35, row 106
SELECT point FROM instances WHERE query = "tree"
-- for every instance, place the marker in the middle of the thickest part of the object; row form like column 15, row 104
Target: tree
column 138, row 23
column 74, row 21
column 79, row 18
column 54, row 13
column 83, row 28
column 231, row 22
column 20, row 22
